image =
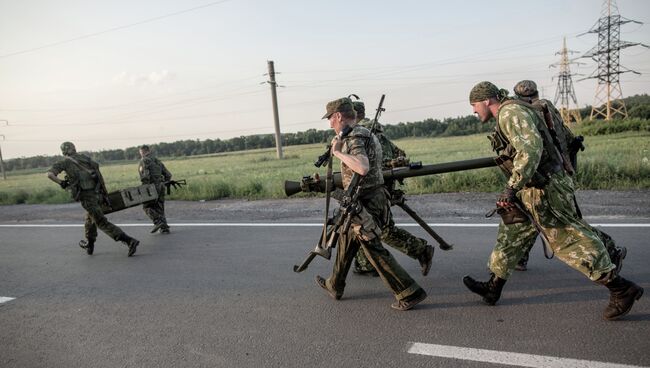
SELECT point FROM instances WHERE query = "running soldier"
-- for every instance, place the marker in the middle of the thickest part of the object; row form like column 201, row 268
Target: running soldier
column 371, row 210
column 152, row 171
column 86, row 183
column 539, row 188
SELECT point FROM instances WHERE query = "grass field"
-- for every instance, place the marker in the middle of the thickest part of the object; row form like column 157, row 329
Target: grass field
column 615, row 161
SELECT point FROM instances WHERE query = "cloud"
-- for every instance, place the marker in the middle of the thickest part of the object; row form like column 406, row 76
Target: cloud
column 154, row 78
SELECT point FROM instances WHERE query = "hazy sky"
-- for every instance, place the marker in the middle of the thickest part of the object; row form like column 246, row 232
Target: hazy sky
column 113, row 74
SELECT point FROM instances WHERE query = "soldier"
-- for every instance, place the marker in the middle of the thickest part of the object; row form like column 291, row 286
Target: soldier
column 400, row 239
column 152, row 171
column 539, row 186
column 86, row 184
column 349, row 146
column 568, row 145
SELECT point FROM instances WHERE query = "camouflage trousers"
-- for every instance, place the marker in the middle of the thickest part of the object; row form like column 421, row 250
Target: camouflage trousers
column 397, row 238
column 365, row 233
column 607, row 240
column 572, row 239
column 156, row 209
column 95, row 217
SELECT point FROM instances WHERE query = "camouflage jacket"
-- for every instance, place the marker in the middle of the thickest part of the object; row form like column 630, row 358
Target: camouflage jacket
column 389, row 149
column 81, row 172
column 527, row 141
column 354, row 144
column 152, row 170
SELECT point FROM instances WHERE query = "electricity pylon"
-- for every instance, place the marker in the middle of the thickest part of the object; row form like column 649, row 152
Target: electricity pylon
column 608, row 102
column 565, row 91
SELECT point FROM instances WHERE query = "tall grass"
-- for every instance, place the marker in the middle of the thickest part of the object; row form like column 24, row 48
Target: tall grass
column 614, row 161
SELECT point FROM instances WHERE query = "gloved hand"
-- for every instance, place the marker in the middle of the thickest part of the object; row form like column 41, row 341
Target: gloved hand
column 64, row 183
column 507, row 198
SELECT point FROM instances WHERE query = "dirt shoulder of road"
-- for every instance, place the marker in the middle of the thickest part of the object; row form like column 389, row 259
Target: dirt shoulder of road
column 595, row 205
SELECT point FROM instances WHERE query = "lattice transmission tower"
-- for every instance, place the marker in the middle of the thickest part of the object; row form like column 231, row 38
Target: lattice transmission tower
column 608, row 102
column 565, row 93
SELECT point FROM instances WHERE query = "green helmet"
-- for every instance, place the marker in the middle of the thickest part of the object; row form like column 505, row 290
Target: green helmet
column 68, row 148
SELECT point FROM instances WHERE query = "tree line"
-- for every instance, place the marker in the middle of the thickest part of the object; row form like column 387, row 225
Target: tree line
column 638, row 106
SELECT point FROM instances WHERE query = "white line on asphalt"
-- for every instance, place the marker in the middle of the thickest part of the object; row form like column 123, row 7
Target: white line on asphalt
column 286, row 224
column 507, row 358
column 4, row 299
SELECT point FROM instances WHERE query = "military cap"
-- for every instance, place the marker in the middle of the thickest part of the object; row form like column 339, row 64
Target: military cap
column 525, row 88
column 144, row 147
column 341, row 105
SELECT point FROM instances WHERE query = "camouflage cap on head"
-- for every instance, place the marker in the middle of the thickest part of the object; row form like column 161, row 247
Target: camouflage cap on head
column 525, row 88
column 341, row 105
column 68, row 148
column 486, row 90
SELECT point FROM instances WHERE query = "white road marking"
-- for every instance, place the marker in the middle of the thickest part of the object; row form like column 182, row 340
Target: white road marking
column 4, row 299
column 291, row 224
column 508, row 358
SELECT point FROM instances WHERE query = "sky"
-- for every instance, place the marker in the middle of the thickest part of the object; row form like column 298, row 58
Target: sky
column 120, row 73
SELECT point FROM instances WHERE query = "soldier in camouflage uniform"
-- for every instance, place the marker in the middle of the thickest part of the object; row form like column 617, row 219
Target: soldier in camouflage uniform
column 349, row 146
column 568, row 145
column 400, row 239
column 539, row 184
column 152, row 171
column 86, row 184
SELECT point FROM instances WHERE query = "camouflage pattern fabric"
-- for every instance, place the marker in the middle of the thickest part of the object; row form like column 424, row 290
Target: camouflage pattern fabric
column 85, row 190
column 153, row 171
column 571, row 238
column 391, row 235
column 392, row 274
column 95, row 217
column 365, row 232
column 354, row 144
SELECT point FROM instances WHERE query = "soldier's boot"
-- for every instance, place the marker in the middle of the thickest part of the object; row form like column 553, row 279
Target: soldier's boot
column 323, row 283
column 617, row 255
column 426, row 259
column 410, row 302
column 130, row 242
column 490, row 290
column 157, row 227
column 165, row 229
column 88, row 245
column 623, row 294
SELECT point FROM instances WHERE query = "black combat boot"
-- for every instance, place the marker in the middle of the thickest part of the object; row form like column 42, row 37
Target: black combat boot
column 88, row 245
column 623, row 294
column 130, row 242
column 425, row 259
column 489, row 290
column 157, row 227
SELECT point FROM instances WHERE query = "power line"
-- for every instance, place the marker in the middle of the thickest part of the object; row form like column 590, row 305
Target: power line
column 113, row 29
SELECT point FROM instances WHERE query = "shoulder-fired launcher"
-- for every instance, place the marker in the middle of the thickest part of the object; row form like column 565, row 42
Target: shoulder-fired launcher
column 313, row 183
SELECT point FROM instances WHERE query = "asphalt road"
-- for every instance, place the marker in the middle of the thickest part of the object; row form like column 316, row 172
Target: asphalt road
column 219, row 295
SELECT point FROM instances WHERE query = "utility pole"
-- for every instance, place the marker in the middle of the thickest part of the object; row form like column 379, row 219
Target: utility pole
column 608, row 102
column 2, row 163
column 565, row 90
column 276, row 116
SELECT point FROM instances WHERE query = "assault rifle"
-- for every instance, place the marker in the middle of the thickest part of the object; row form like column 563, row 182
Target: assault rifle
column 177, row 184
column 350, row 205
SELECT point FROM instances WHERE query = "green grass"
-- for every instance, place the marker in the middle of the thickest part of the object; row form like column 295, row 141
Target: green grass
column 614, row 161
